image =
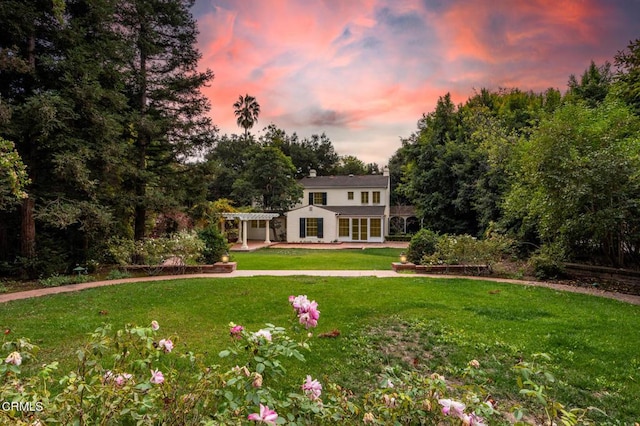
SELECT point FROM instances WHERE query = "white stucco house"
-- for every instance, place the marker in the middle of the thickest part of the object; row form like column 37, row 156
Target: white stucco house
column 341, row 208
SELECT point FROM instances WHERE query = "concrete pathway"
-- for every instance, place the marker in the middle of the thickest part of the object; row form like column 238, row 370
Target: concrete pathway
column 254, row 245
column 627, row 298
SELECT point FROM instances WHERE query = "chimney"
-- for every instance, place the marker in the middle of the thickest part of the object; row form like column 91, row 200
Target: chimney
column 312, row 173
column 385, row 171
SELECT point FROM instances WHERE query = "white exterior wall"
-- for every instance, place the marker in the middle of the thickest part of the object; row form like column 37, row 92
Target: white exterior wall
column 339, row 197
column 329, row 226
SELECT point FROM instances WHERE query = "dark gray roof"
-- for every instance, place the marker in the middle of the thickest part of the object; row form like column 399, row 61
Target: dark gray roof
column 356, row 210
column 356, row 181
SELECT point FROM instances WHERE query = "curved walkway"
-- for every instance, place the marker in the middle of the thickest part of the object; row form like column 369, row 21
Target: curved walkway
column 627, row 298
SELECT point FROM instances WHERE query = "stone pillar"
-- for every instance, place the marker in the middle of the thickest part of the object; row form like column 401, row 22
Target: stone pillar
column 266, row 237
column 245, row 246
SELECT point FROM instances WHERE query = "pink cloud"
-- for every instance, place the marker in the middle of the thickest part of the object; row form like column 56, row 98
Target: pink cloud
column 361, row 70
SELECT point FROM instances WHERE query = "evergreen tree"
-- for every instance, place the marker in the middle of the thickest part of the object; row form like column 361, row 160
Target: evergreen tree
column 168, row 122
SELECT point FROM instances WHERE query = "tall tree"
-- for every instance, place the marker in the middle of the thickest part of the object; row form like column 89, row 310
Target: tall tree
column 315, row 152
column 350, row 165
column 628, row 75
column 247, row 110
column 168, row 123
column 269, row 179
column 593, row 86
column 578, row 184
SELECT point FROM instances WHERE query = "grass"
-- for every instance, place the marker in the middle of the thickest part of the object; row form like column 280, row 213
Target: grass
column 309, row 259
column 593, row 341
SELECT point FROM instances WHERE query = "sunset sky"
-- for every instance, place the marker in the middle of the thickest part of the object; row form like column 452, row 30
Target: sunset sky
column 364, row 71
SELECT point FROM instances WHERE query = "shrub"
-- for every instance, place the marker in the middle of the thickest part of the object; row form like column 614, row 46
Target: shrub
column 117, row 274
column 184, row 245
column 58, row 280
column 547, row 263
column 423, row 243
column 215, row 244
column 468, row 250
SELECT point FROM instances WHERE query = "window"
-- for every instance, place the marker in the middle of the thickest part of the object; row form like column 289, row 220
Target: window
column 376, row 197
column 364, row 197
column 312, row 227
column 343, row 227
column 258, row 224
column 318, row 198
column 355, row 229
column 350, row 195
column 375, row 227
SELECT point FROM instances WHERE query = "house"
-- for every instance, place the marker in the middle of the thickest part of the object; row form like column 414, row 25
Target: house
column 341, row 208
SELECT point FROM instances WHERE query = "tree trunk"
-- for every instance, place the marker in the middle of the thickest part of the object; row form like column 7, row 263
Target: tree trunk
column 28, row 228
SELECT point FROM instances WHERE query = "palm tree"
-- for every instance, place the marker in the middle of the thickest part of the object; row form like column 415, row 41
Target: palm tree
column 247, row 110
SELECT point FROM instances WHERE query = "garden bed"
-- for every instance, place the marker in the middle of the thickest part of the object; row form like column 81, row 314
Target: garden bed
column 443, row 269
column 216, row 268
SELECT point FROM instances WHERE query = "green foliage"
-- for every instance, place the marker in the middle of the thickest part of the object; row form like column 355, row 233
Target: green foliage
column 185, row 246
column 578, row 183
column 269, row 181
column 13, row 175
column 423, row 243
column 468, row 250
column 58, row 280
column 594, row 85
column 247, row 110
column 117, row 274
column 215, row 244
column 628, row 79
column 548, row 262
column 535, row 382
column 134, row 375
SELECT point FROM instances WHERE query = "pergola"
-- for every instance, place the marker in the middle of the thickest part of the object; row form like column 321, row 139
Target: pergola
column 246, row 217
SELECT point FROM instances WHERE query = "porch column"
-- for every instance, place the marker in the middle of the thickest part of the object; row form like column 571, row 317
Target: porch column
column 239, row 229
column 245, row 246
column 266, row 238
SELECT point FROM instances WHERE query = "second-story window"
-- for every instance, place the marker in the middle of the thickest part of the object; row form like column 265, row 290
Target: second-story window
column 350, row 195
column 318, row 198
column 376, row 197
column 364, row 197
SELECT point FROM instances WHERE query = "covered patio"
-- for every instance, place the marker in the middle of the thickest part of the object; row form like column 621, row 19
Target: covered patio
column 244, row 219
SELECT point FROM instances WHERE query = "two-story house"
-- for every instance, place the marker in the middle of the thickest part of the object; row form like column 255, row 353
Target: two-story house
column 341, row 208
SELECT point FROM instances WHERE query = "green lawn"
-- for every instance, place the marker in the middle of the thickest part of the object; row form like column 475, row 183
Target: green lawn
column 301, row 259
column 593, row 341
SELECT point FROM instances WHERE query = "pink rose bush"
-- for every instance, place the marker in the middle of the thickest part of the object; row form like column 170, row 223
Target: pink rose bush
column 312, row 388
column 165, row 345
column 157, row 377
column 14, row 358
column 130, row 377
column 236, row 331
column 266, row 415
column 307, row 310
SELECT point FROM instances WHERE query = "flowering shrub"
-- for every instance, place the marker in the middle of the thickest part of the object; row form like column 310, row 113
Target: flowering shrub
column 136, row 376
column 467, row 250
column 185, row 245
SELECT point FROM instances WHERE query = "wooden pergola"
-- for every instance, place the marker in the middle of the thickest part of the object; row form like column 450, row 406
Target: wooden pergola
column 246, row 217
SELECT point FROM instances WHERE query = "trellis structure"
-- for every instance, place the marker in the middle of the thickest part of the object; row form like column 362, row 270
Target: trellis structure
column 244, row 218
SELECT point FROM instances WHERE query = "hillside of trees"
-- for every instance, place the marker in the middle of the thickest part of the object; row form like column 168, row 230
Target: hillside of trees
column 104, row 133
